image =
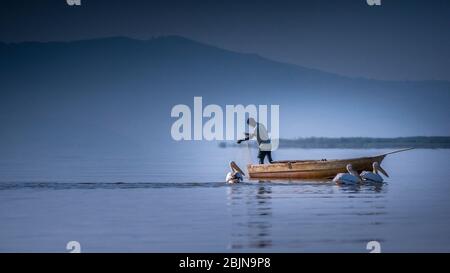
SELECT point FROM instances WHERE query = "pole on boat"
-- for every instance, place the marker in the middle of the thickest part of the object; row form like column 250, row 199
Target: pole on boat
column 398, row 151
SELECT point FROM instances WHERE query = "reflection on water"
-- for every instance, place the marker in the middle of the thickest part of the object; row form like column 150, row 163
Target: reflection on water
column 366, row 187
column 255, row 211
column 251, row 210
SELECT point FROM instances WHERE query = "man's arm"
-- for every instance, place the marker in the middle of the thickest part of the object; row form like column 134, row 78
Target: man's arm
column 247, row 137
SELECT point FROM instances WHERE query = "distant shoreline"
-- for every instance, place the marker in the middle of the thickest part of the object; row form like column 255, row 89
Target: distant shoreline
column 434, row 142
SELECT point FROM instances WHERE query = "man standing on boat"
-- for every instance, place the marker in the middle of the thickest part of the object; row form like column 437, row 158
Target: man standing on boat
column 262, row 138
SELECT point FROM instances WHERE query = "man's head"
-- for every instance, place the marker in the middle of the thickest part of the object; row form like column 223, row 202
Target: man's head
column 251, row 122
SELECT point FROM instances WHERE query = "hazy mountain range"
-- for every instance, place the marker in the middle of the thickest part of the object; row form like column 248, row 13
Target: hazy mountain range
column 114, row 95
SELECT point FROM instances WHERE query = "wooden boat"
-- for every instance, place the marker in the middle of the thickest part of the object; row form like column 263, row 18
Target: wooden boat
column 312, row 169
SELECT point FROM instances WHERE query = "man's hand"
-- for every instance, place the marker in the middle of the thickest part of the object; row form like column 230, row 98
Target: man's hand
column 245, row 139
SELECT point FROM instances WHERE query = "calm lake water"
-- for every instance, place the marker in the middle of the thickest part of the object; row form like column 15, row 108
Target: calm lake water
column 182, row 205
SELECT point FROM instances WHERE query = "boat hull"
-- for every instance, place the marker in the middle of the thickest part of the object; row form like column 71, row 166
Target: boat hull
column 309, row 169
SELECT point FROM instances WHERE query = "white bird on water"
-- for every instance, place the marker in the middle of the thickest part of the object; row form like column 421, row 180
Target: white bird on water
column 236, row 175
column 374, row 176
column 352, row 177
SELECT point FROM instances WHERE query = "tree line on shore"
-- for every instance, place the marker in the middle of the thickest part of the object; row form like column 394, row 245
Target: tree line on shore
column 434, row 142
